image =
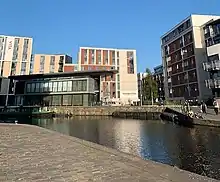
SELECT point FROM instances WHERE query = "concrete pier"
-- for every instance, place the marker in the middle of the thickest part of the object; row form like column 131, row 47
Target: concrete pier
column 30, row 153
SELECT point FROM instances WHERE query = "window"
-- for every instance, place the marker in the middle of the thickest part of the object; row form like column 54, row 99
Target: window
column 15, row 51
column 213, row 57
column 28, row 87
column 23, row 68
column 26, row 41
column 33, row 87
column 130, row 62
column 52, row 64
column 46, row 87
column 56, row 100
column 79, row 88
column 99, row 57
column 105, row 52
column 69, row 86
column 93, row 56
column 119, row 94
column 60, row 86
column 118, row 85
column 42, row 87
column 65, row 86
column 113, row 57
column 85, row 56
column 77, row 100
column 25, row 49
column 37, row 89
column 50, row 86
column 75, row 85
column 55, row 86
column 67, row 100
column 118, row 77
column 84, row 85
column 42, row 60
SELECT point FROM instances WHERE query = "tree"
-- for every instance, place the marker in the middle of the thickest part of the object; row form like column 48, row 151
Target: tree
column 150, row 91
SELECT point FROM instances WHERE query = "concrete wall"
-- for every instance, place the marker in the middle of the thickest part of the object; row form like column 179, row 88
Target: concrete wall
column 106, row 111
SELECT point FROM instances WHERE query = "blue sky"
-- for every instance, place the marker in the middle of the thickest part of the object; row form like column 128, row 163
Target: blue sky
column 62, row 26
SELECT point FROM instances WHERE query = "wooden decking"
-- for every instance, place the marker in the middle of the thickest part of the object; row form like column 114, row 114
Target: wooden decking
column 31, row 153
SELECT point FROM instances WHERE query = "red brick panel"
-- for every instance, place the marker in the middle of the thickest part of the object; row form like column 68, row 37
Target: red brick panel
column 110, row 58
column 85, row 67
column 105, row 53
column 90, row 56
column 112, row 90
column 114, row 77
column 68, row 68
column 82, row 56
column 98, row 52
column 104, row 86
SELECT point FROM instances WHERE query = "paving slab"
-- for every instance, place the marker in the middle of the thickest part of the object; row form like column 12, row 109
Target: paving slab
column 30, row 153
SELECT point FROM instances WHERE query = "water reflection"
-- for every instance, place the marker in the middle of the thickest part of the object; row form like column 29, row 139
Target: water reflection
column 195, row 150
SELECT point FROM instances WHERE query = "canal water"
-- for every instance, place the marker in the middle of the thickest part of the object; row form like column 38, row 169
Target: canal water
column 196, row 149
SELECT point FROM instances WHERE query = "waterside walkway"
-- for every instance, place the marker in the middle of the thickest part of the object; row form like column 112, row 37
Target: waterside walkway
column 30, row 153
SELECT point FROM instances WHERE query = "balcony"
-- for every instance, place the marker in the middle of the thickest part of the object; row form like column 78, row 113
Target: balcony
column 215, row 83
column 213, row 65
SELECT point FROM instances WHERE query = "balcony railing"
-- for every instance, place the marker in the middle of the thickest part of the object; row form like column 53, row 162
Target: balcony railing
column 213, row 65
column 215, row 83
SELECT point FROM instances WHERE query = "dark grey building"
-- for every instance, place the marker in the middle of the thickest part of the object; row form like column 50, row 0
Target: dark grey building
column 212, row 41
column 159, row 78
column 80, row 88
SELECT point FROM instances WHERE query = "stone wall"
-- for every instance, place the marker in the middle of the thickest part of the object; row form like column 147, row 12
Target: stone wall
column 106, row 110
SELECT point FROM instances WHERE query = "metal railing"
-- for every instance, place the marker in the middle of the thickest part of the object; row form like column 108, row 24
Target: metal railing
column 213, row 83
column 213, row 65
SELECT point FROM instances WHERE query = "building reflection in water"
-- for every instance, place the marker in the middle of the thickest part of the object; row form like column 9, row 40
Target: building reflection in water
column 195, row 149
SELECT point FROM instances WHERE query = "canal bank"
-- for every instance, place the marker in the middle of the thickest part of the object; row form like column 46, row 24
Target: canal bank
column 107, row 110
column 30, row 153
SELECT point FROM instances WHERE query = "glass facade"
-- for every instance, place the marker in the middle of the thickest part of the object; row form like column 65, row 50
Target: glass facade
column 57, row 86
column 57, row 100
column 56, row 92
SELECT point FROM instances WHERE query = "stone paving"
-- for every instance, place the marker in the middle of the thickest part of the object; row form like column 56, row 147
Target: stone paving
column 31, row 153
column 210, row 114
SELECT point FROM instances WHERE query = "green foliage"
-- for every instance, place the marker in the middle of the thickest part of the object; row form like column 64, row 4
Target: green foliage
column 170, row 102
column 150, row 90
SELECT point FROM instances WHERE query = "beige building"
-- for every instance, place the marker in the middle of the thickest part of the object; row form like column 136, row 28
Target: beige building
column 45, row 63
column 15, row 55
column 183, row 54
column 122, row 87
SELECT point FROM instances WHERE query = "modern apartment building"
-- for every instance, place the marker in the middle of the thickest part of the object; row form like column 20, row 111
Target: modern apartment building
column 118, row 88
column 45, row 63
column 15, row 55
column 159, row 78
column 212, row 42
column 183, row 54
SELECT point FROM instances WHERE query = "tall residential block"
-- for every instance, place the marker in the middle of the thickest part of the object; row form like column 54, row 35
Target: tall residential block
column 183, row 54
column 121, row 87
column 159, row 78
column 45, row 63
column 212, row 42
column 15, row 55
